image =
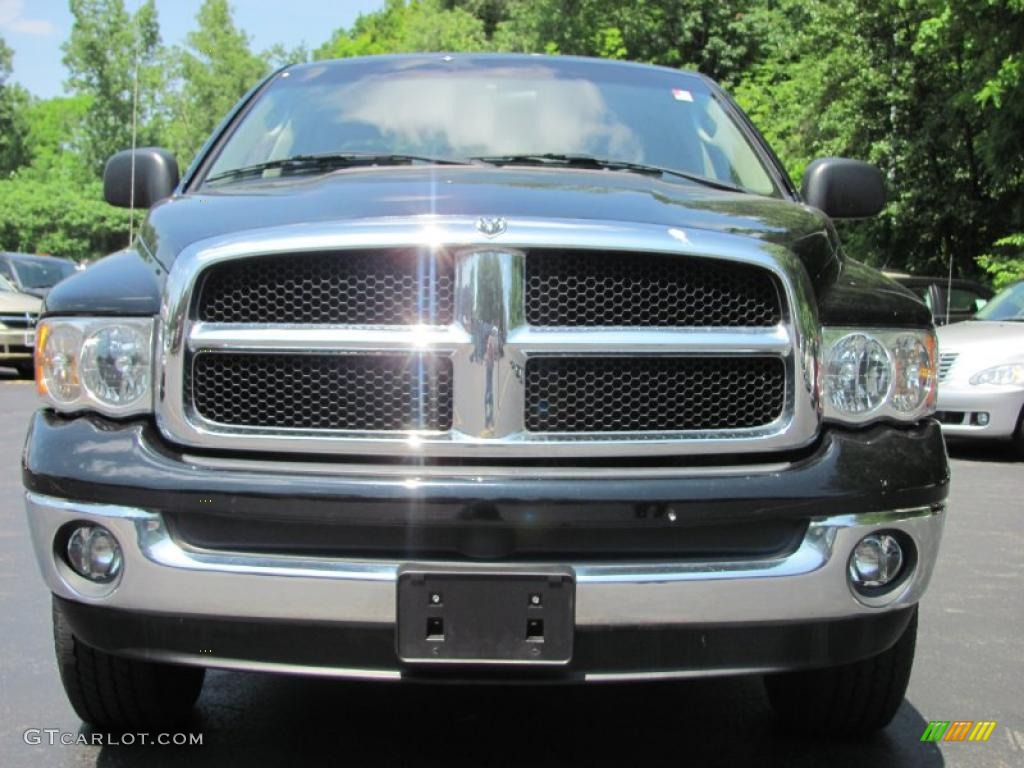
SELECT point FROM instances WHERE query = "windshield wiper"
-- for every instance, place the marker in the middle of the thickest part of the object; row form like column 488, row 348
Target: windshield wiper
column 322, row 163
column 590, row 161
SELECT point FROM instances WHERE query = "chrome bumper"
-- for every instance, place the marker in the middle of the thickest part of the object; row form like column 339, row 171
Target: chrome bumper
column 162, row 575
column 22, row 340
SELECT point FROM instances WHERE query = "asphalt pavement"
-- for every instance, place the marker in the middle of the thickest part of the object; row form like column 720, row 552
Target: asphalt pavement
column 970, row 666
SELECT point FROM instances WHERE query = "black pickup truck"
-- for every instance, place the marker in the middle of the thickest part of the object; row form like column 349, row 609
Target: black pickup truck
column 485, row 367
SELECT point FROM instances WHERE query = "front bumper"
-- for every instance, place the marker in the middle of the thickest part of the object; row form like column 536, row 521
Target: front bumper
column 960, row 405
column 325, row 611
column 166, row 576
column 337, row 618
column 16, row 344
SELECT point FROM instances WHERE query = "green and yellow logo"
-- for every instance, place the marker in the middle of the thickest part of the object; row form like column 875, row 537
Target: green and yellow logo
column 958, row 730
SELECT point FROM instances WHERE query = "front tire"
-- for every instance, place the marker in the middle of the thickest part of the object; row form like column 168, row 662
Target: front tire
column 116, row 693
column 849, row 700
column 1018, row 436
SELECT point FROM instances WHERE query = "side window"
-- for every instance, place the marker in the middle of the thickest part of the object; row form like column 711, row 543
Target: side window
column 5, row 270
column 965, row 300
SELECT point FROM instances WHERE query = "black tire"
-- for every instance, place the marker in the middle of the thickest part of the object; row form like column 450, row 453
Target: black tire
column 115, row 693
column 1018, row 436
column 26, row 370
column 850, row 700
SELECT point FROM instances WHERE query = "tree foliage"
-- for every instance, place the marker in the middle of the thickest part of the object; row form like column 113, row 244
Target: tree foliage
column 30, row 211
column 106, row 47
column 213, row 71
column 401, row 27
column 13, row 150
column 930, row 90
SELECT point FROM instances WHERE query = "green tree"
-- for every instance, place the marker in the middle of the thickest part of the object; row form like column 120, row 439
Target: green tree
column 55, row 139
column 106, row 46
column 913, row 86
column 416, row 25
column 718, row 37
column 213, row 71
column 13, row 101
column 48, row 217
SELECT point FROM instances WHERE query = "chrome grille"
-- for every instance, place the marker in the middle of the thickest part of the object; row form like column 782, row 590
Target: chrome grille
column 946, row 361
column 242, row 371
column 579, row 288
column 650, row 394
column 25, row 321
column 380, row 287
column 324, row 392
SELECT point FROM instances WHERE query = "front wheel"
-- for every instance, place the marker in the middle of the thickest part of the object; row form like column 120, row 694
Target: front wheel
column 849, row 700
column 118, row 693
column 1018, row 436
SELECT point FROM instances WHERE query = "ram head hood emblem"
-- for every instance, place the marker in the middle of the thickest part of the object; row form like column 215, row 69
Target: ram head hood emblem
column 491, row 226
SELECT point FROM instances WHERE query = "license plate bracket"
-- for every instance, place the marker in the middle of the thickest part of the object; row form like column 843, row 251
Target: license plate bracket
column 499, row 617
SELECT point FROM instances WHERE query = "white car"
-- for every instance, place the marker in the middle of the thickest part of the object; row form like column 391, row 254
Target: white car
column 981, row 372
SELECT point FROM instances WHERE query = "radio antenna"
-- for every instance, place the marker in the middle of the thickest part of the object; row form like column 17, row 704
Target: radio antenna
column 135, row 121
column 949, row 286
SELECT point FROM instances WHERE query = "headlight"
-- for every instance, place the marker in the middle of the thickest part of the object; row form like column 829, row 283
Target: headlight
column 869, row 375
column 103, row 364
column 1011, row 374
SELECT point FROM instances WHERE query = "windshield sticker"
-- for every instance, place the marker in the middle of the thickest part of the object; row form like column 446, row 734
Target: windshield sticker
column 680, row 95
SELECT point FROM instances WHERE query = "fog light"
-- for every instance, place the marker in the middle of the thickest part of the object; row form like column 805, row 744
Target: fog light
column 876, row 561
column 981, row 419
column 94, row 553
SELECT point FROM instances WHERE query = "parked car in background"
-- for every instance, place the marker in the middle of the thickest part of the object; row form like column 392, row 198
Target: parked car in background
column 33, row 274
column 18, row 315
column 960, row 299
column 981, row 372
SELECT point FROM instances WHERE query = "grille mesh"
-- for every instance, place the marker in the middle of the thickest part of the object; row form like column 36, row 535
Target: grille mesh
column 344, row 392
column 571, row 288
column 400, row 287
column 588, row 394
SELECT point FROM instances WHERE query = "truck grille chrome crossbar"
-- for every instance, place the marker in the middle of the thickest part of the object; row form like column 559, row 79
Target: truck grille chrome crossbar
column 427, row 338
column 24, row 321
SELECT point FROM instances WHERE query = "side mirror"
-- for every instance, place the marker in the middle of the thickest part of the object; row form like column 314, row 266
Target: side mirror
column 844, row 189
column 156, row 176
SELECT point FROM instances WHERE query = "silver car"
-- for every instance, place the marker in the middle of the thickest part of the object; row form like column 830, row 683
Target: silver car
column 18, row 315
column 981, row 372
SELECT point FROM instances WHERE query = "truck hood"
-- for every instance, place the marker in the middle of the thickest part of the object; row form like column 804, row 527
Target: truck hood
column 536, row 193
column 19, row 303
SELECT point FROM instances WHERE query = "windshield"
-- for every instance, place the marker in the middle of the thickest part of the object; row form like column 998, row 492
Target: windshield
column 1008, row 304
column 41, row 274
column 5, row 285
column 474, row 108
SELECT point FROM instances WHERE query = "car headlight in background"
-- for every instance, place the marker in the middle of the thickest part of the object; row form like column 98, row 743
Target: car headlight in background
column 1011, row 374
column 102, row 364
column 874, row 374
